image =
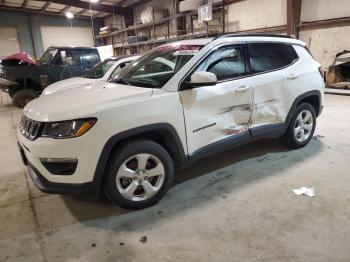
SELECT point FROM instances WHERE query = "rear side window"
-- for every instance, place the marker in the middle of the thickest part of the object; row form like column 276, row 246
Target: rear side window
column 90, row 57
column 270, row 56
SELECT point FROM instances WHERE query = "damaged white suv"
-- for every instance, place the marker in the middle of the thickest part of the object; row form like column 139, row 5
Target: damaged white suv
column 177, row 103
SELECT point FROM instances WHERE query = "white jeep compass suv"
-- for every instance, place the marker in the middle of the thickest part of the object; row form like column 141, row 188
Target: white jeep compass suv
column 177, row 103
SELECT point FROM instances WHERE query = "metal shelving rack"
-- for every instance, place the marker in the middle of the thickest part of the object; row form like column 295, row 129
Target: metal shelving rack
column 119, row 37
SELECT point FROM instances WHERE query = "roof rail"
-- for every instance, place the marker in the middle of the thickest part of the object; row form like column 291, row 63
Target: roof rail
column 252, row 34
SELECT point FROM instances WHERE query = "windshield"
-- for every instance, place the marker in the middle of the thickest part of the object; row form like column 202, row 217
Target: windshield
column 47, row 57
column 157, row 67
column 99, row 69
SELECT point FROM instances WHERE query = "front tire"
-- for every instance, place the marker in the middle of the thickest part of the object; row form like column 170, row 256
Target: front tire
column 23, row 97
column 139, row 174
column 301, row 127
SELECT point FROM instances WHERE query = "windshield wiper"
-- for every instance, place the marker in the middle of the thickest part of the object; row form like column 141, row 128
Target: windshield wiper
column 121, row 81
column 143, row 83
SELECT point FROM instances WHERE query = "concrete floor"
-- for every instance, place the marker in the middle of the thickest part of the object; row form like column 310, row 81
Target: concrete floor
column 236, row 206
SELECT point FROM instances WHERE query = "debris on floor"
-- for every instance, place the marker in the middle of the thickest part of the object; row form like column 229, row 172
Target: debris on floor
column 305, row 191
column 318, row 137
column 143, row 239
column 93, row 245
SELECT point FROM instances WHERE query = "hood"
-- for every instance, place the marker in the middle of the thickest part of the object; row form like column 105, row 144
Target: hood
column 22, row 56
column 86, row 101
column 68, row 84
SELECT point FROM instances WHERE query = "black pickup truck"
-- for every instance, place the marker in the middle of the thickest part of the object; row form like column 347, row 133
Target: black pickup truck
column 24, row 78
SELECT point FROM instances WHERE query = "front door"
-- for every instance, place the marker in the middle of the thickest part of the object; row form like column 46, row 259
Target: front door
column 213, row 113
column 66, row 64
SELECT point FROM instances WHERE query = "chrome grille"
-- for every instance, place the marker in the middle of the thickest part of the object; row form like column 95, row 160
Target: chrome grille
column 29, row 128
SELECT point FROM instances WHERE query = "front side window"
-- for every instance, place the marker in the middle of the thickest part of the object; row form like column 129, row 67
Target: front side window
column 99, row 70
column 48, row 55
column 157, row 67
column 270, row 56
column 226, row 63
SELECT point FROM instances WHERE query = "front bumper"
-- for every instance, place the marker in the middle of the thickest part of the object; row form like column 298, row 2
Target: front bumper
column 47, row 186
column 86, row 149
column 60, row 188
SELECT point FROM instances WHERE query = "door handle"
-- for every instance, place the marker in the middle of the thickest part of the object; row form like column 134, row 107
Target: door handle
column 292, row 77
column 242, row 89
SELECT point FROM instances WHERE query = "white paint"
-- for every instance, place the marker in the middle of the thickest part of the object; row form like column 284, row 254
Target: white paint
column 66, row 36
column 312, row 10
column 253, row 14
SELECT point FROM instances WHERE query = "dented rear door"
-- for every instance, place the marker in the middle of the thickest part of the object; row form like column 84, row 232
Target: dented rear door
column 271, row 66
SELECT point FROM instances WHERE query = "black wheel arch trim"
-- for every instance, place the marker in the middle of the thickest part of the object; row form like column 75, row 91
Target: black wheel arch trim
column 169, row 136
column 301, row 98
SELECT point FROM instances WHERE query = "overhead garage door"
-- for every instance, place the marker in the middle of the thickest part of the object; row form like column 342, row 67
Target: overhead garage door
column 66, row 36
column 9, row 43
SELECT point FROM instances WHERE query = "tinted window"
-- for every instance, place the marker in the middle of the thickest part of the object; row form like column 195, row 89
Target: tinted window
column 70, row 57
column 90, row 58
column 47, row 57
column 270, row 56
column 225, row 63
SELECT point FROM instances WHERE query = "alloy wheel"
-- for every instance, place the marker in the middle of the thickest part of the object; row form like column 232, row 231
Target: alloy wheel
column 140, row 177
column 303, row 126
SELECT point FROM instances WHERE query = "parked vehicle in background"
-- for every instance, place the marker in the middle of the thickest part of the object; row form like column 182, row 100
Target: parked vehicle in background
column 103, row 71
column 179, row 102
column 24, row 78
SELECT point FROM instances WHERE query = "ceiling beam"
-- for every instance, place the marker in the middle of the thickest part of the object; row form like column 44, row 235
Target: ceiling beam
column 25, row 2
column 96, row 7
column 36, row 12
column 45, row 6
column 81, row 12
column 65, row 9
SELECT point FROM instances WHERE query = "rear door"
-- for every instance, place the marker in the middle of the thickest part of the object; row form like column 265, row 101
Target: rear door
column 214, row 113
column 271, row 66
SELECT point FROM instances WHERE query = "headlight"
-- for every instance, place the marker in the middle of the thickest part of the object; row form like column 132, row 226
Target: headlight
column 68, row 129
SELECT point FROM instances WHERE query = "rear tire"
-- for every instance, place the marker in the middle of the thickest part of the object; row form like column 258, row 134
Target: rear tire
column 138, row 175
column 301, row 127
column 23, row 97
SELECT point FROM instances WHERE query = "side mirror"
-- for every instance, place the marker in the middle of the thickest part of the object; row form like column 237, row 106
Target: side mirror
column 202, row 78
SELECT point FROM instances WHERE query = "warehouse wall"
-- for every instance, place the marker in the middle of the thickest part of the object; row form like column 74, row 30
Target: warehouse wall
column 254, row 14
column 312, row 10
column 28, row 27
column 324, row 42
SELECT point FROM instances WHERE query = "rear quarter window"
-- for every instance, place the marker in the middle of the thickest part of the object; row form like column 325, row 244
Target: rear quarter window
column 270, row 56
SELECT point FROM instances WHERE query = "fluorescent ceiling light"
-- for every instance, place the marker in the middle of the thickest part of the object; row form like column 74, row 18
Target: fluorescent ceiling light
column 69, row 15
column 93, row 1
